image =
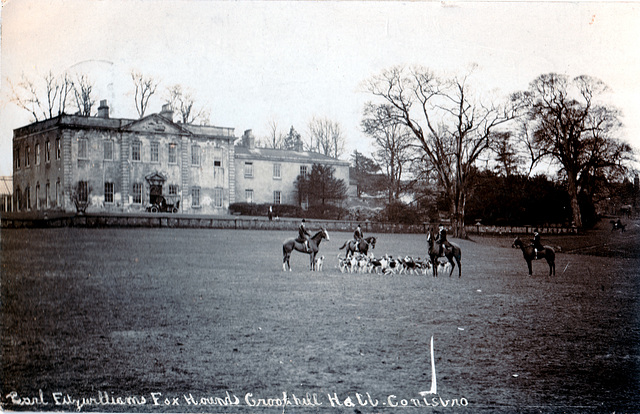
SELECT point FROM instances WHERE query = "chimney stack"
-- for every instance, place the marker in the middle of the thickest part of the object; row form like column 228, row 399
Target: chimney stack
column 103, row 109
column 248, row 140
column 167, row 112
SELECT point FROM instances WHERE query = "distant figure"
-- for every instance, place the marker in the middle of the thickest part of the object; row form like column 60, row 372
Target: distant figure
column 270, row 214
column 536, row 242
column 441, row 239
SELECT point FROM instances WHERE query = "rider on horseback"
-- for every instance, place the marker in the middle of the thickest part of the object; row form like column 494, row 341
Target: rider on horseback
column 303, row 236
column 537, row 246
column 441, row 239
column 358, row 236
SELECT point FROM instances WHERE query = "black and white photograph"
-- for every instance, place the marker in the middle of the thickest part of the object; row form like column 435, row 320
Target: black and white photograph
column 349, row 207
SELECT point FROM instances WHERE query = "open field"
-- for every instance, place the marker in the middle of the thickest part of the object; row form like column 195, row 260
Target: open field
column 187, row 315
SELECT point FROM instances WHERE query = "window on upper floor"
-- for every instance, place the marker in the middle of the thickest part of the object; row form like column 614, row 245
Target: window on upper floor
column 276, row 171
column 304, row 170
column 248, row 169
column 37, row 154
column 83, row 148
column 136, row 151
column 173, row 153
column 108, row 149
column 195, row 155
column 47, row 151
column 155, row 152
column 173, row 189
column 58, row 149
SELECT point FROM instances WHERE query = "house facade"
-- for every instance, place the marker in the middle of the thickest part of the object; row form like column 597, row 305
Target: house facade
column 71, row 163
column 266, row 175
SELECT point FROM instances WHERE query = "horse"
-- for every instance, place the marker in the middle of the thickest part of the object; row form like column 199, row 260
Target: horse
column 529, row 254
column 363, row 245
column 451, row 253
column 291, row 244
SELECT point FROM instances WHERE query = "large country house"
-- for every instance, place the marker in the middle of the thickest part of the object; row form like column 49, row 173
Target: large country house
column 102, row 164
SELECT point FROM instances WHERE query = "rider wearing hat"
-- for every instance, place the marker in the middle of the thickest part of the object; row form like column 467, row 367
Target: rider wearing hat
column 358, row 236
column 441, row 239
column 537, row 246
column 303, row 236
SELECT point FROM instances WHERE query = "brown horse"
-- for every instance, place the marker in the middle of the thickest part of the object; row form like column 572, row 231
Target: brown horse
column 290, row 245
column 451, row 253
column 363, row 246
column 529, row 254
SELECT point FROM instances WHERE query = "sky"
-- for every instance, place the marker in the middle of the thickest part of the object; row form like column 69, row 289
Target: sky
column 253, row 63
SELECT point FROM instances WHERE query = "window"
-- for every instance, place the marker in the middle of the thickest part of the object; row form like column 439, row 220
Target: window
column 136, row 150
column 108, row 149
column 83, row 150
column 58, row 149
column 47, row 151
column 18, row 199
column 57, row 192
column 218, row 196
column 276, row 171
column 137, row 193
column 108, row 192
column 195, row 197
column 27, row 197
column 218, row 171
column 47, row 193
column 173, row 150
column 154, row 152
column 27, row 159
column 83, row 191
column 248, row 170
column 18, row 158
column 248, row 195
column 303, row 170
column 37, row 154
column 276, row 197
column 38, row 196
column 173, row 189
column 195, row 155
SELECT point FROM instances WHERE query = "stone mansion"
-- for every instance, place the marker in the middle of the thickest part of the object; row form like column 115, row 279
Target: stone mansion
column 105, row 164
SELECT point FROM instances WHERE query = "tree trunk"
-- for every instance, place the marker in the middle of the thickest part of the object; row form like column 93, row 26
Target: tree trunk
column 457, row 219
column 572, row 189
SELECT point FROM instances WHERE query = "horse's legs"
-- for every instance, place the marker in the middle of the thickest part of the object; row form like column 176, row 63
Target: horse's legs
column 312, row 257
column 529, row 265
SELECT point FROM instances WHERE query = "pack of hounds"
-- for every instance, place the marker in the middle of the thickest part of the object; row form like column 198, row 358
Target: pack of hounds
column 386, row 265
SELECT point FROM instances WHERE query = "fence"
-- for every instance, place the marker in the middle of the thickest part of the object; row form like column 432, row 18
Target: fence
column 247, row 223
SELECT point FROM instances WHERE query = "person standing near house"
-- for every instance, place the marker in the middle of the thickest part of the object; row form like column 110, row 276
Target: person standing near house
column 270, row 213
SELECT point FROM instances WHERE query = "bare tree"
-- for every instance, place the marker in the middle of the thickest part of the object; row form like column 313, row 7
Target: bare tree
column 393, row 142
column 575, row 131
column 183, row 103
column 145, row 87
column 326, row 137
column 451, row 126
column 82, row 92
column 275, row 139
column 45, row 101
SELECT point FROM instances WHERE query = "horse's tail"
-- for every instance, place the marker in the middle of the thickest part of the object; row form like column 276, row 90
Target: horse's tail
column 344, row 245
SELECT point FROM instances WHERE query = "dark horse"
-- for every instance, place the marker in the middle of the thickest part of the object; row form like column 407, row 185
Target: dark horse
column 363, row 246
column 290, row 245
column 451, row 253
column 529, row 254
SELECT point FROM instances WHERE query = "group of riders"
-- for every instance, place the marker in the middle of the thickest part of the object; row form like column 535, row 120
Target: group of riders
column 441, row 238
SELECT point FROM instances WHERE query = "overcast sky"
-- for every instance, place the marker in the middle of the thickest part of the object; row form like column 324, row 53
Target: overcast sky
column 252, row 63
